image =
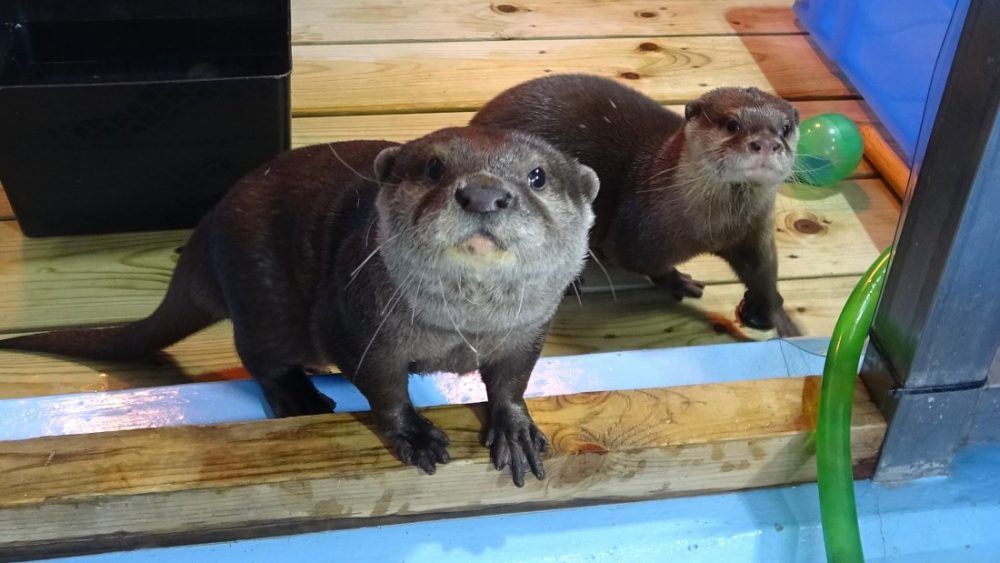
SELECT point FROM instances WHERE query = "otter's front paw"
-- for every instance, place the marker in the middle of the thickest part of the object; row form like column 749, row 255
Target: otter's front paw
column 515, row 441
column 753, row 316
column 416, row 441
column 680, row 285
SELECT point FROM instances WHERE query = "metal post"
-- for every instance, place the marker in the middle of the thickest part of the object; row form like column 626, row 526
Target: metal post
column 937, row 330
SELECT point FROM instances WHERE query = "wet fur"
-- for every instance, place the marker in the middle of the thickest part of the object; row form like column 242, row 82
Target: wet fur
column 663, row 196
column 345, row 253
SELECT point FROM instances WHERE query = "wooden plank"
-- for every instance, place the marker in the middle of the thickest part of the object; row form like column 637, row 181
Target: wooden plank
column 427, row 77
column 646, row 319
column 63, row 281
column 640, row 319
column 59, row 281
column 115, row 490
column 363, row 21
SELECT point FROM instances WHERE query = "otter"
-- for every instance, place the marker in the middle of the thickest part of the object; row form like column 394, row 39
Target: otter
column 447, row 253
column 672, row 187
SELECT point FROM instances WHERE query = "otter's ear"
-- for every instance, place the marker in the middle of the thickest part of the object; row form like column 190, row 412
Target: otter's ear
column 589, row 183
column 692, row 110
column 384, row 162
column 795, row 115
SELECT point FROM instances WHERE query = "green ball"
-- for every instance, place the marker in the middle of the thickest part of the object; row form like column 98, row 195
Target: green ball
column 829, row 149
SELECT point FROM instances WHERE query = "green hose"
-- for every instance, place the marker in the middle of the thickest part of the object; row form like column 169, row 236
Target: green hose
column 834, row 471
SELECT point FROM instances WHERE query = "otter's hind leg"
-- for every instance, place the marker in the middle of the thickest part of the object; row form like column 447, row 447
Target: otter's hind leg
column 679, row 284
column 290, row 392
column 277, row 365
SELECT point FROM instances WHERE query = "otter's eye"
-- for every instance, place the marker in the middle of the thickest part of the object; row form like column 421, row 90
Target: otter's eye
column 732, row 125
column 434, row 169
column 536, row 178
column 786, row 130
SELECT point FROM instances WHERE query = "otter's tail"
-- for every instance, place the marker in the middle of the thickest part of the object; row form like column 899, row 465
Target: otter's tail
column 191, row 304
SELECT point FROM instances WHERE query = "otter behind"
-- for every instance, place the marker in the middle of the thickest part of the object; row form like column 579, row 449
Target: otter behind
column 672, row 187
column 447, row 253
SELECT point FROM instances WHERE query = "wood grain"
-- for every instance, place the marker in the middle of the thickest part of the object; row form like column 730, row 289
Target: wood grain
column 58, row 281
column 646, row 319
column 208, row 483
column 364, row 21
column 430, row 77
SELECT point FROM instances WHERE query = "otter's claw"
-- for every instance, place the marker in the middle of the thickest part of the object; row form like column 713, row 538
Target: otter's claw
column 680, row 285
column 416, row 441
column 515, row 441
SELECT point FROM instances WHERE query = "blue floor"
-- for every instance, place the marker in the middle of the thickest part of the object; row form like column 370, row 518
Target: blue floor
column 939, row 519
column 932, row 520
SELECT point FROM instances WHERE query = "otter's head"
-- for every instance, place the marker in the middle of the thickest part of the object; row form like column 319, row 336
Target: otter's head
column 484, row 207
column 742, row 136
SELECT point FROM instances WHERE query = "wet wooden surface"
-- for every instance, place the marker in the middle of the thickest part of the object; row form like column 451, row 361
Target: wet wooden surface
column 141, row 487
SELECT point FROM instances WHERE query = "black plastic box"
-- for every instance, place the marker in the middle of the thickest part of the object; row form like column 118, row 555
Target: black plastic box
column 130, row 115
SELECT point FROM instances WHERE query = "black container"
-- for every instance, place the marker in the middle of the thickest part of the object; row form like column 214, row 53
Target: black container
column 128, row 115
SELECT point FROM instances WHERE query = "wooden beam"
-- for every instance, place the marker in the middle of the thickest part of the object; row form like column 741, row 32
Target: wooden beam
column 884, row 159
column 429, row 77
column 116, row 490
column 363, row 21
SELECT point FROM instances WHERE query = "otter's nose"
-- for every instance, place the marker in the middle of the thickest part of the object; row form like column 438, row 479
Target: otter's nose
column 483, row 199
column 765, row 146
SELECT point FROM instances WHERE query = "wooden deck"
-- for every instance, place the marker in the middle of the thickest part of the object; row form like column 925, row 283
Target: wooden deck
column 397, row 70
column 382, row 70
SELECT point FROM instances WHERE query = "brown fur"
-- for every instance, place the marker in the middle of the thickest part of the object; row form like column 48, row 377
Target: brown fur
column 663, row 197
column 350, row 253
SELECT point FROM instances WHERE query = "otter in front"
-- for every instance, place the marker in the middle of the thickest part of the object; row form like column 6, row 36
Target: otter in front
column 447, row 253
column 672, row 187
